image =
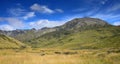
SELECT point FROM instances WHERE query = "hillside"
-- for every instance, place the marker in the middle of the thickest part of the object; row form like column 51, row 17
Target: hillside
column 108, row 37
column 84, row 24
column 9, row 43
column 80, row 33
column 77, row 24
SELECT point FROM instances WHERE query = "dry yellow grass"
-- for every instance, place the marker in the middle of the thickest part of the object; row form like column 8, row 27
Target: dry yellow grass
column 49, row 57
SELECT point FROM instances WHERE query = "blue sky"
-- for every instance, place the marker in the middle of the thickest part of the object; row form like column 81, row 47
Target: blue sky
column 27, row 14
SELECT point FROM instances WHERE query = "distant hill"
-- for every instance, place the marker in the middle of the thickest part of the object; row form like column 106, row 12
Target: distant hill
column 10, row 43
column 28, row 34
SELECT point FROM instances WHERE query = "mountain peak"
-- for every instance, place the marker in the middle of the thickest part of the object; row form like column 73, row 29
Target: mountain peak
column 84, row 23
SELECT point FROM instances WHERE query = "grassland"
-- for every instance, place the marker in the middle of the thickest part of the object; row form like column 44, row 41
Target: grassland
column 52, row 56
column 97, row 46
column 10, row 43
column 107, row 37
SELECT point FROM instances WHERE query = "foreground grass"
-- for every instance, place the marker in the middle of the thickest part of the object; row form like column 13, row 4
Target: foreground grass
column 58, row 57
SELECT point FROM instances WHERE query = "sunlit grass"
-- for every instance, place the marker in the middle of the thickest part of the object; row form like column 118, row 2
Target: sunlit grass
column 50, row 57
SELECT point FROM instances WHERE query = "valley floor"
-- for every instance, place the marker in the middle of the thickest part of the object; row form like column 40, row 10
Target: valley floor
column 49, row 56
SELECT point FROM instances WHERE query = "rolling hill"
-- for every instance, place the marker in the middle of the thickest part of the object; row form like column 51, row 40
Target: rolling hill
column 10, row 43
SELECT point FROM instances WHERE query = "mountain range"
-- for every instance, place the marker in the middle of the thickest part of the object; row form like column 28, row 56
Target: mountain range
column 79, row 33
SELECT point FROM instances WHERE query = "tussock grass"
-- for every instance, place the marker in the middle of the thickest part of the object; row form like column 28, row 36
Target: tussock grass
column 50, row 57
column 10, row 43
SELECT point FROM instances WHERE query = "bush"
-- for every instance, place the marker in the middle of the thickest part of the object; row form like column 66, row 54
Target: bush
column 57, row 52
column 69, row 53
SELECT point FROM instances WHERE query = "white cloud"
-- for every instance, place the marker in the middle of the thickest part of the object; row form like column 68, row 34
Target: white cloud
column 17, row 23
column 111, row 18
column 29, row 15
column 116, row 23
column 115, row 7
column 45, row 23
column 59, row 10
column 41, row 8
column 106, row 16
column 16, row 11
column 6, row 27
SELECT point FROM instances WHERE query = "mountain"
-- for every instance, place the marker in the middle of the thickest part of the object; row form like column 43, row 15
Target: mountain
column 10, row 43
column 84, row 23
column 77, row 24
column 28, row 34
column 87, row 33
column 79, row 33
column 107, row 37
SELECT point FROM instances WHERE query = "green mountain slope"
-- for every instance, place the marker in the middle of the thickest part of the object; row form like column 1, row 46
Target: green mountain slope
column 9, row 43
column 108, row 37
column 80, row 33
column 73, row 25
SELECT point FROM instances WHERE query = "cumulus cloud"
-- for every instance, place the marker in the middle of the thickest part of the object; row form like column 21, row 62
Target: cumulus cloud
column 45, row 23
column 15, row 22
column 6, row 27
column 116, row 23
column 29, row 15
column 41, row 8
column 11, row 22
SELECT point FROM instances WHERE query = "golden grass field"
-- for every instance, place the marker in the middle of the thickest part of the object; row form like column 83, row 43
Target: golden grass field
column 38, row 56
